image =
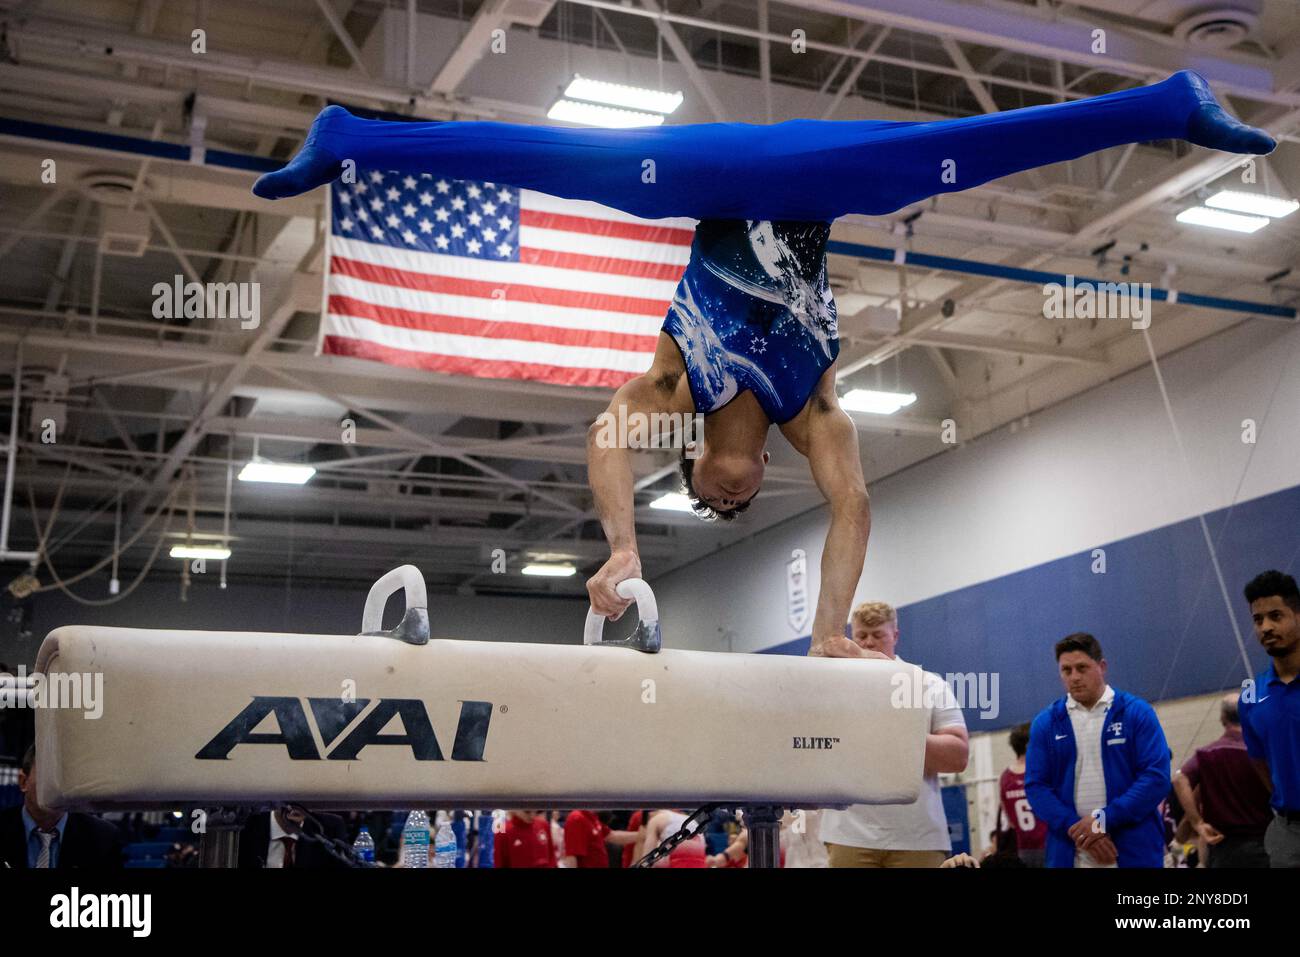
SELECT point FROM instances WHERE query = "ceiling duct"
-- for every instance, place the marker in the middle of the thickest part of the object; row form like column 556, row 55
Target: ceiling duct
column 1218, row 25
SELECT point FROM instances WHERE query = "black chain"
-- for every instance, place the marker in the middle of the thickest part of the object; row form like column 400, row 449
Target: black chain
column 684, row 833
column 341, row 851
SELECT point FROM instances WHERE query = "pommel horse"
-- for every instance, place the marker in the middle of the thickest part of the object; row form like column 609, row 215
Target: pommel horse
column 231, row 721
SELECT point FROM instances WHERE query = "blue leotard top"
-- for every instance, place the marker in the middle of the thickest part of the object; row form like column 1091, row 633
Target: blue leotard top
column 754, row 311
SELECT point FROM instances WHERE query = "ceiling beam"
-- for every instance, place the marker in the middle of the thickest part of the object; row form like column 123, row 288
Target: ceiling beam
column 701, row 83
column 1055, row 36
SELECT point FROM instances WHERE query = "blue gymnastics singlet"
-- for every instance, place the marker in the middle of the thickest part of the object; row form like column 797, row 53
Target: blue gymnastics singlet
column 754, row 311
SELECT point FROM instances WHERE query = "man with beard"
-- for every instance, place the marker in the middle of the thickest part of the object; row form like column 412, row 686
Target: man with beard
column 1270, row 709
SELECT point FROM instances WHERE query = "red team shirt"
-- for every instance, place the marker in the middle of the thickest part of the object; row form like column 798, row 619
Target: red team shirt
column 1031, row 833
column 524, row 845
column 584, row 838
column 633, row 824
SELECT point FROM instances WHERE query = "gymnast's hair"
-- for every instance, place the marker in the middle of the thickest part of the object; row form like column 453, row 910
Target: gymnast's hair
column 703, row 511
column 1079, row 641
column 872, row 613
column 1274, row 583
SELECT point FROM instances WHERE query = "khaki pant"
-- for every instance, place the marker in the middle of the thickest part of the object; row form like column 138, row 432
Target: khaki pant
column 842, row 856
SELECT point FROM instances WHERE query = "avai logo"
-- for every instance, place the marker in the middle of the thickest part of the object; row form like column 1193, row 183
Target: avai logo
column 332, row 716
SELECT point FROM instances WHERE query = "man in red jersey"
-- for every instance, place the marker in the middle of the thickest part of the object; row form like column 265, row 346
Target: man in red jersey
column 585, row 837
column 524, row 841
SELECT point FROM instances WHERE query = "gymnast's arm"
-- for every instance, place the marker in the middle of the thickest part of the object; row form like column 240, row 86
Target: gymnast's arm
column 832, row 451
column 609, row 470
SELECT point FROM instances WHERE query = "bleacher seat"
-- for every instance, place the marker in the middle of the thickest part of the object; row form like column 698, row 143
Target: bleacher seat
column 150, row 850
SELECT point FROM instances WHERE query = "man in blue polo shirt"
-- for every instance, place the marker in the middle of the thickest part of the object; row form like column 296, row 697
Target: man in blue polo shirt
column 1270, row 709
column 1097, row 768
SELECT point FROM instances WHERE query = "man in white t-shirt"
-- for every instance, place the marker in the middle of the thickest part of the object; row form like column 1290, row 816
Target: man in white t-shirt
column 901, row 835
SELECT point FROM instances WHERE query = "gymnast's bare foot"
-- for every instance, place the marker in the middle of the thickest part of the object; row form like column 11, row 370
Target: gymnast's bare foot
column 841, row 647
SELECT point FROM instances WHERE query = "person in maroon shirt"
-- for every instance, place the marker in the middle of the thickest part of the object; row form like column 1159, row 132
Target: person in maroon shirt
column 1223, row 797
column 524, row 842
column 1030, row 833
column 585, row 837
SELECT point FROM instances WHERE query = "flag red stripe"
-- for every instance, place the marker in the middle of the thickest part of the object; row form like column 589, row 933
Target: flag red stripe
column 670, row 235
column 471, row 366
column 514, row 292
column 601, row 264
column 490, row 328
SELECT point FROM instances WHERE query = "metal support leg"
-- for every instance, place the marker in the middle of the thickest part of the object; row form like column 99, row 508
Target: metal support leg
column 219, row 846
column 764, row 824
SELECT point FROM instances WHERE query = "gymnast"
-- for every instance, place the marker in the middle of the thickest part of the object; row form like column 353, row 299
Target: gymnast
column 751, row 339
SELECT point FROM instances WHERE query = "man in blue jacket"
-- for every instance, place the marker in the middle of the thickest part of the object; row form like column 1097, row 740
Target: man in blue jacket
column 1270, row 709
column 1097, row 768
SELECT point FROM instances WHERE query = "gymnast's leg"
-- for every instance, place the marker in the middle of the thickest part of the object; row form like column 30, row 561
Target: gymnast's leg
column 653, row 172
column 798, row 170
column 879, row 171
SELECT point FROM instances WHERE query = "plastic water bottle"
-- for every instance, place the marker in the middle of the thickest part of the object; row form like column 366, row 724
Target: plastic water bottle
column 363, row 848
column 415, row 840
column 444, row 842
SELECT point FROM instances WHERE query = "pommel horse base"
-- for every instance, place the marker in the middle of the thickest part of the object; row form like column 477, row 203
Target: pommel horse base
column 394, row 720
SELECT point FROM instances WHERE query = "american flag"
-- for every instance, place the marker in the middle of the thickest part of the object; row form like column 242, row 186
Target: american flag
column 481, row 279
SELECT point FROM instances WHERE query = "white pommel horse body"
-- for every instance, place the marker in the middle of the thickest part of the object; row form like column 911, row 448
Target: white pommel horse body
column 394, row 720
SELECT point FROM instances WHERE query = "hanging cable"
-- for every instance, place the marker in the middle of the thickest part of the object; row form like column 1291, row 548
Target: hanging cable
column 43, row 533
column 225, row 523
column 1200, row 516
column 189, row 536
column 114, row 584
column 62, row 584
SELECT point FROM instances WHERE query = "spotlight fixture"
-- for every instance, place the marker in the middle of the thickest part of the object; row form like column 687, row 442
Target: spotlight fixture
column 1253, row 204
column 615, row 105
column 549, row 571
column 672, row 502
column 217, row 553
column 878, row 403
column 276, row 472
column 1218, row 219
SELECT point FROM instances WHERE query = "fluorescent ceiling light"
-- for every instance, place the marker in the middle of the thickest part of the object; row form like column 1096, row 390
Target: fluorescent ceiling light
column 277, row 472
column 572, row 111
column 629, row 97
column 1256, row 204
column 673, row 502
column 880, row 403
column 215, row 552
column 1218, row 219
column 550, row 571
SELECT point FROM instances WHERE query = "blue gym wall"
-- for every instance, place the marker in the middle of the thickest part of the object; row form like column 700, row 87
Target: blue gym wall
column 1157, row 612
column 987, row 550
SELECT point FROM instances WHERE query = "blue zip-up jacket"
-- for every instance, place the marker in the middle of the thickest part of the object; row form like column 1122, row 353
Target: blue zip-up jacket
column 1135, row 763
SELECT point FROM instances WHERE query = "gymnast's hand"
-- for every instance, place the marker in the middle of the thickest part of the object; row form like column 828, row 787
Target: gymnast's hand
column 837, row 646
column 624, row 563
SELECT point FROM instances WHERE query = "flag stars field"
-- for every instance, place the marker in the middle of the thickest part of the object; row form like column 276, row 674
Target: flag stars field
column 416, row 265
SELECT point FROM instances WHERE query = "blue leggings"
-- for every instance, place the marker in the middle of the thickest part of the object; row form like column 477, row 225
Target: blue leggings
column 796, row 170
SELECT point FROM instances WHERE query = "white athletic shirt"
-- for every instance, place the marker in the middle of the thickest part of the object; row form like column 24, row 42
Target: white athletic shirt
column 672, row 825
column 1089, row 779
column 921, row 826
